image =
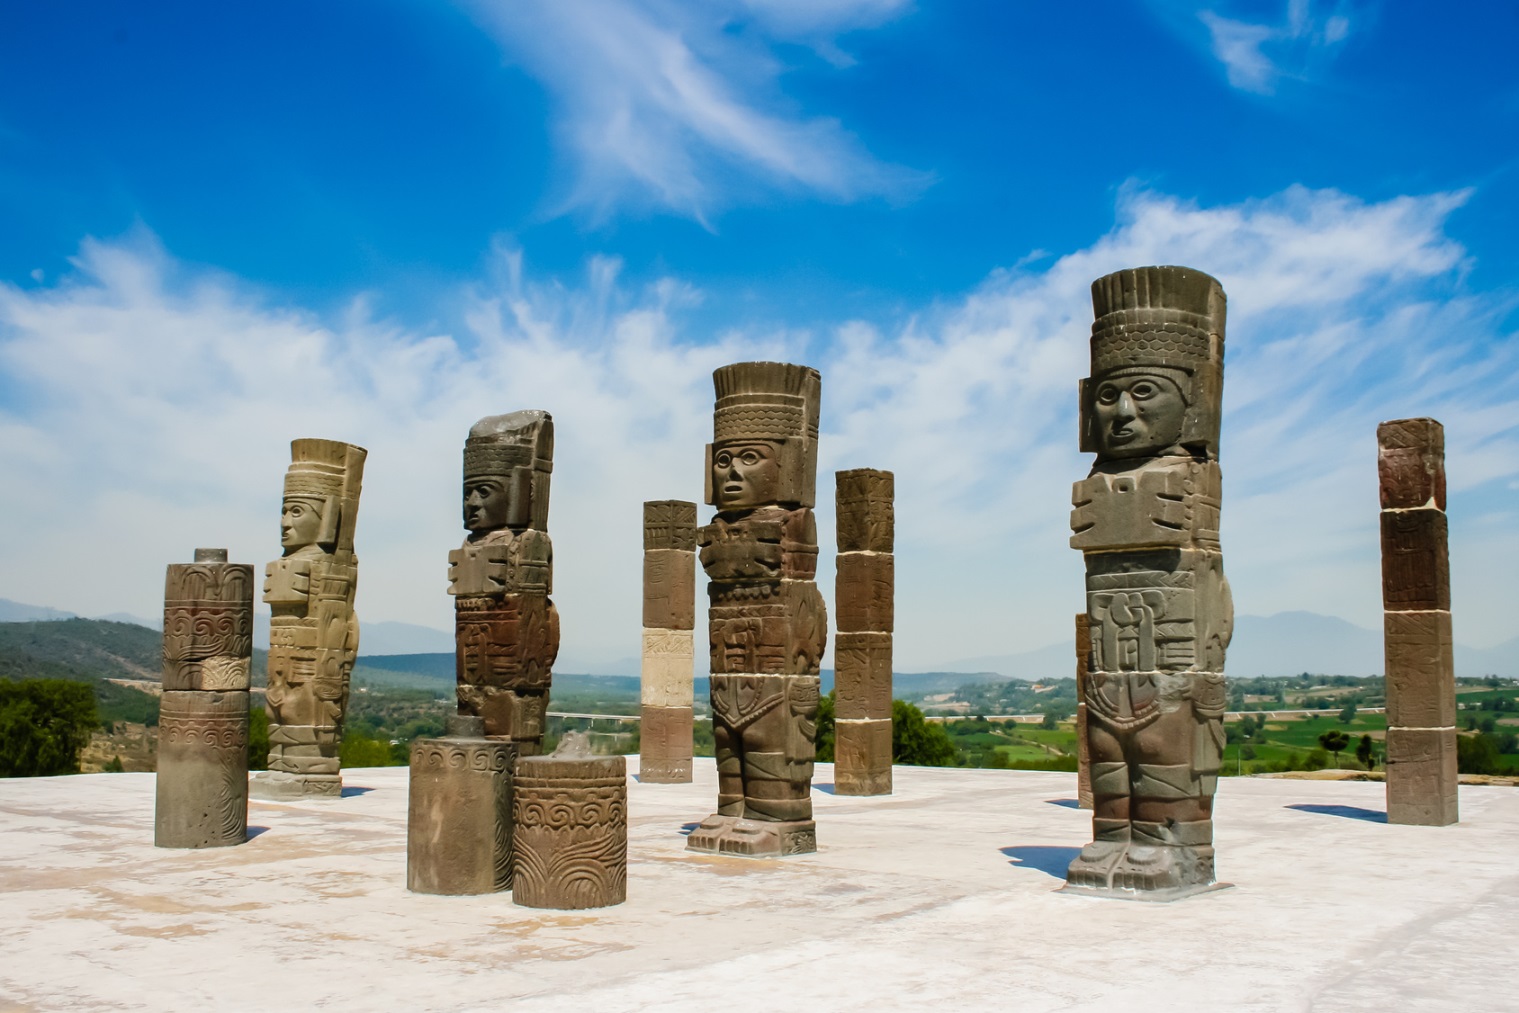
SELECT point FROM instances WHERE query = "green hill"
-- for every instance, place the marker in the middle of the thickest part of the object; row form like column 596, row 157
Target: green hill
column 88, row 649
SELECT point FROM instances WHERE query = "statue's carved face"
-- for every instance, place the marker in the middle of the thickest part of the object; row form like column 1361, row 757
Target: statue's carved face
column 300, row 522
column 745, row 475
column 487, row 504
column 1138, row 414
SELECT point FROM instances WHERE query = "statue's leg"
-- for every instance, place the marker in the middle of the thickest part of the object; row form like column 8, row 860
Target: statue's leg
column 1110, row 809
column 730, row 776
column 1172, row 808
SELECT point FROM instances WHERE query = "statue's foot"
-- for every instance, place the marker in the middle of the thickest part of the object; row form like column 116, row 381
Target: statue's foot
column 1161, row 869
column 1093, row 868
column 709, row 834
column 765, row 839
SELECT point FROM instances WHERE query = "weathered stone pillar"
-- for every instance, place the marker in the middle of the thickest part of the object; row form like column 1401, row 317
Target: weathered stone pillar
column 313, row 632
column 768, row 626
column 506, row 629
column 864, row 595
column 571, row 839
column 669, row 624
column 1146, row 520
column 459, row 817
column 1083, row 753
column 1421, row 677
column 202, row 789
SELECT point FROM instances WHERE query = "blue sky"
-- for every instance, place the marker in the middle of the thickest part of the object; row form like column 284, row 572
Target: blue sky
column 230, row 225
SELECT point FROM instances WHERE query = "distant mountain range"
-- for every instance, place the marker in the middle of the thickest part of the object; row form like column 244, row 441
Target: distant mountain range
column 1287, row 643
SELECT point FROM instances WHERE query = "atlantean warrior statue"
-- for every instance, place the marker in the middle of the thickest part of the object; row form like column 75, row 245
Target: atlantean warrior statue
column 768, row 625
column 1147, row 521
column 313, row 633
column 506, row 628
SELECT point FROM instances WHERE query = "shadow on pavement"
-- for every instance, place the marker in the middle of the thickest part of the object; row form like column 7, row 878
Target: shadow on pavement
column 350, row 792
column 1067, row 803
column 1046, row 858
column 1352, row 812
column 824, row 786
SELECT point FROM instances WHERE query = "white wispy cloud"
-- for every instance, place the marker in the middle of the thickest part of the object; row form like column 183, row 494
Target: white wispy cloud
column 148, row 407
column 667, row 105
column 1258, row 55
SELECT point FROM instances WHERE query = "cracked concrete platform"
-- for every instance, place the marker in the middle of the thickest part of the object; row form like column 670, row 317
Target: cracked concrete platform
column 942, row 894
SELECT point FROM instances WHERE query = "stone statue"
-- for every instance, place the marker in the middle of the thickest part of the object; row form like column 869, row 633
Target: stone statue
column 767, row 626
column 202, row 783
column 570, row 840
column 1146, row 519
column 669, row 622
column 1083, row 668
column 864, row 596
column 506, row 628
column 313, row 632
column 1421, row 675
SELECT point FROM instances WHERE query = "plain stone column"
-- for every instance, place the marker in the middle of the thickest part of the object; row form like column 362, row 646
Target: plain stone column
column 1421, row 679
column 571, row 829
column 864, row 595
column 202, row 783
column 459, row 817
column 1083, row 750
column 669, row 645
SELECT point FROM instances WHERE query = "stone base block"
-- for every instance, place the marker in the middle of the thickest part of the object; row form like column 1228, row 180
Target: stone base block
column 459, row 820
column 734, row 835
column 1421, row 776
column 202, row 784
column 1421, row 674
column 862, row 751
column 570, row 846
column 280, row 786
column 665, row 745
column 1156, row 873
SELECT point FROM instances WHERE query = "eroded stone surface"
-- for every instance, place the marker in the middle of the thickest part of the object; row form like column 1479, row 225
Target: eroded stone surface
column 459, row 815
column 864, row 597
column 1420, row 670
column 570, row 842
column 669, row 644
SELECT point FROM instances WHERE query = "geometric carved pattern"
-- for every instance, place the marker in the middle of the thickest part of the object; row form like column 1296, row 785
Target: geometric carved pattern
column 459, row 823
column 570, row 846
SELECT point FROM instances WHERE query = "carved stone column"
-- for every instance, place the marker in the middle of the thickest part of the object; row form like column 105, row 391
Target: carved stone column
column 571, row 840
column 864, row 594
column 767, row 625
column 1146, row 520
column 202, row 789
column 506, row 629
column 459, row 815
column 1421, row 677
column 1083, row 753
column 669, row 623
column 313, row 632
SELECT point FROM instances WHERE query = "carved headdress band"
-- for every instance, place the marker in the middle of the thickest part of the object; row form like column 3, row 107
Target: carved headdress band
column 1156, row 316
column 776, row 402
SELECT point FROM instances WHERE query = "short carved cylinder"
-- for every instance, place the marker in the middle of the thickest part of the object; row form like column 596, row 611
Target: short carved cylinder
column 208, row 626
column 202, row 783
column 570, row 848
column 459, row 816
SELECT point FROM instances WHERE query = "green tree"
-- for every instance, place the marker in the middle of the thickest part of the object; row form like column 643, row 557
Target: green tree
column 1363, row 752
column 258, row 735
column 1334, row 741
column 1347, row 715
column 1477, row 754
column 826, row 728
column 114, row 766
column 44, row 723
column 917, row 742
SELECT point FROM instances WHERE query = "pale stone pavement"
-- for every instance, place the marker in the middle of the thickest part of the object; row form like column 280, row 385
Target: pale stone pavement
column 942, row 895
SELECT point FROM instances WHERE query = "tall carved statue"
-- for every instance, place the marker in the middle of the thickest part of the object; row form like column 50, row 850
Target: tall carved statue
column 202, row 792
column 313, row 633
column 864, row 597
column 506, row 628
column 1421, row 674
column 767, row 626
column 1146, row 519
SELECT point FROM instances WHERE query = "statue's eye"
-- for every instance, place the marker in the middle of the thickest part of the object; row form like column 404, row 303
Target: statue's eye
column 1144, row 391
column 751, row 457
column 1107, row 395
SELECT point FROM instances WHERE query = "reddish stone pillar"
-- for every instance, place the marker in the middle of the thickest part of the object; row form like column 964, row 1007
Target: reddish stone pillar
column 669, row 624
column 1421, row 679
column 864, row 594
